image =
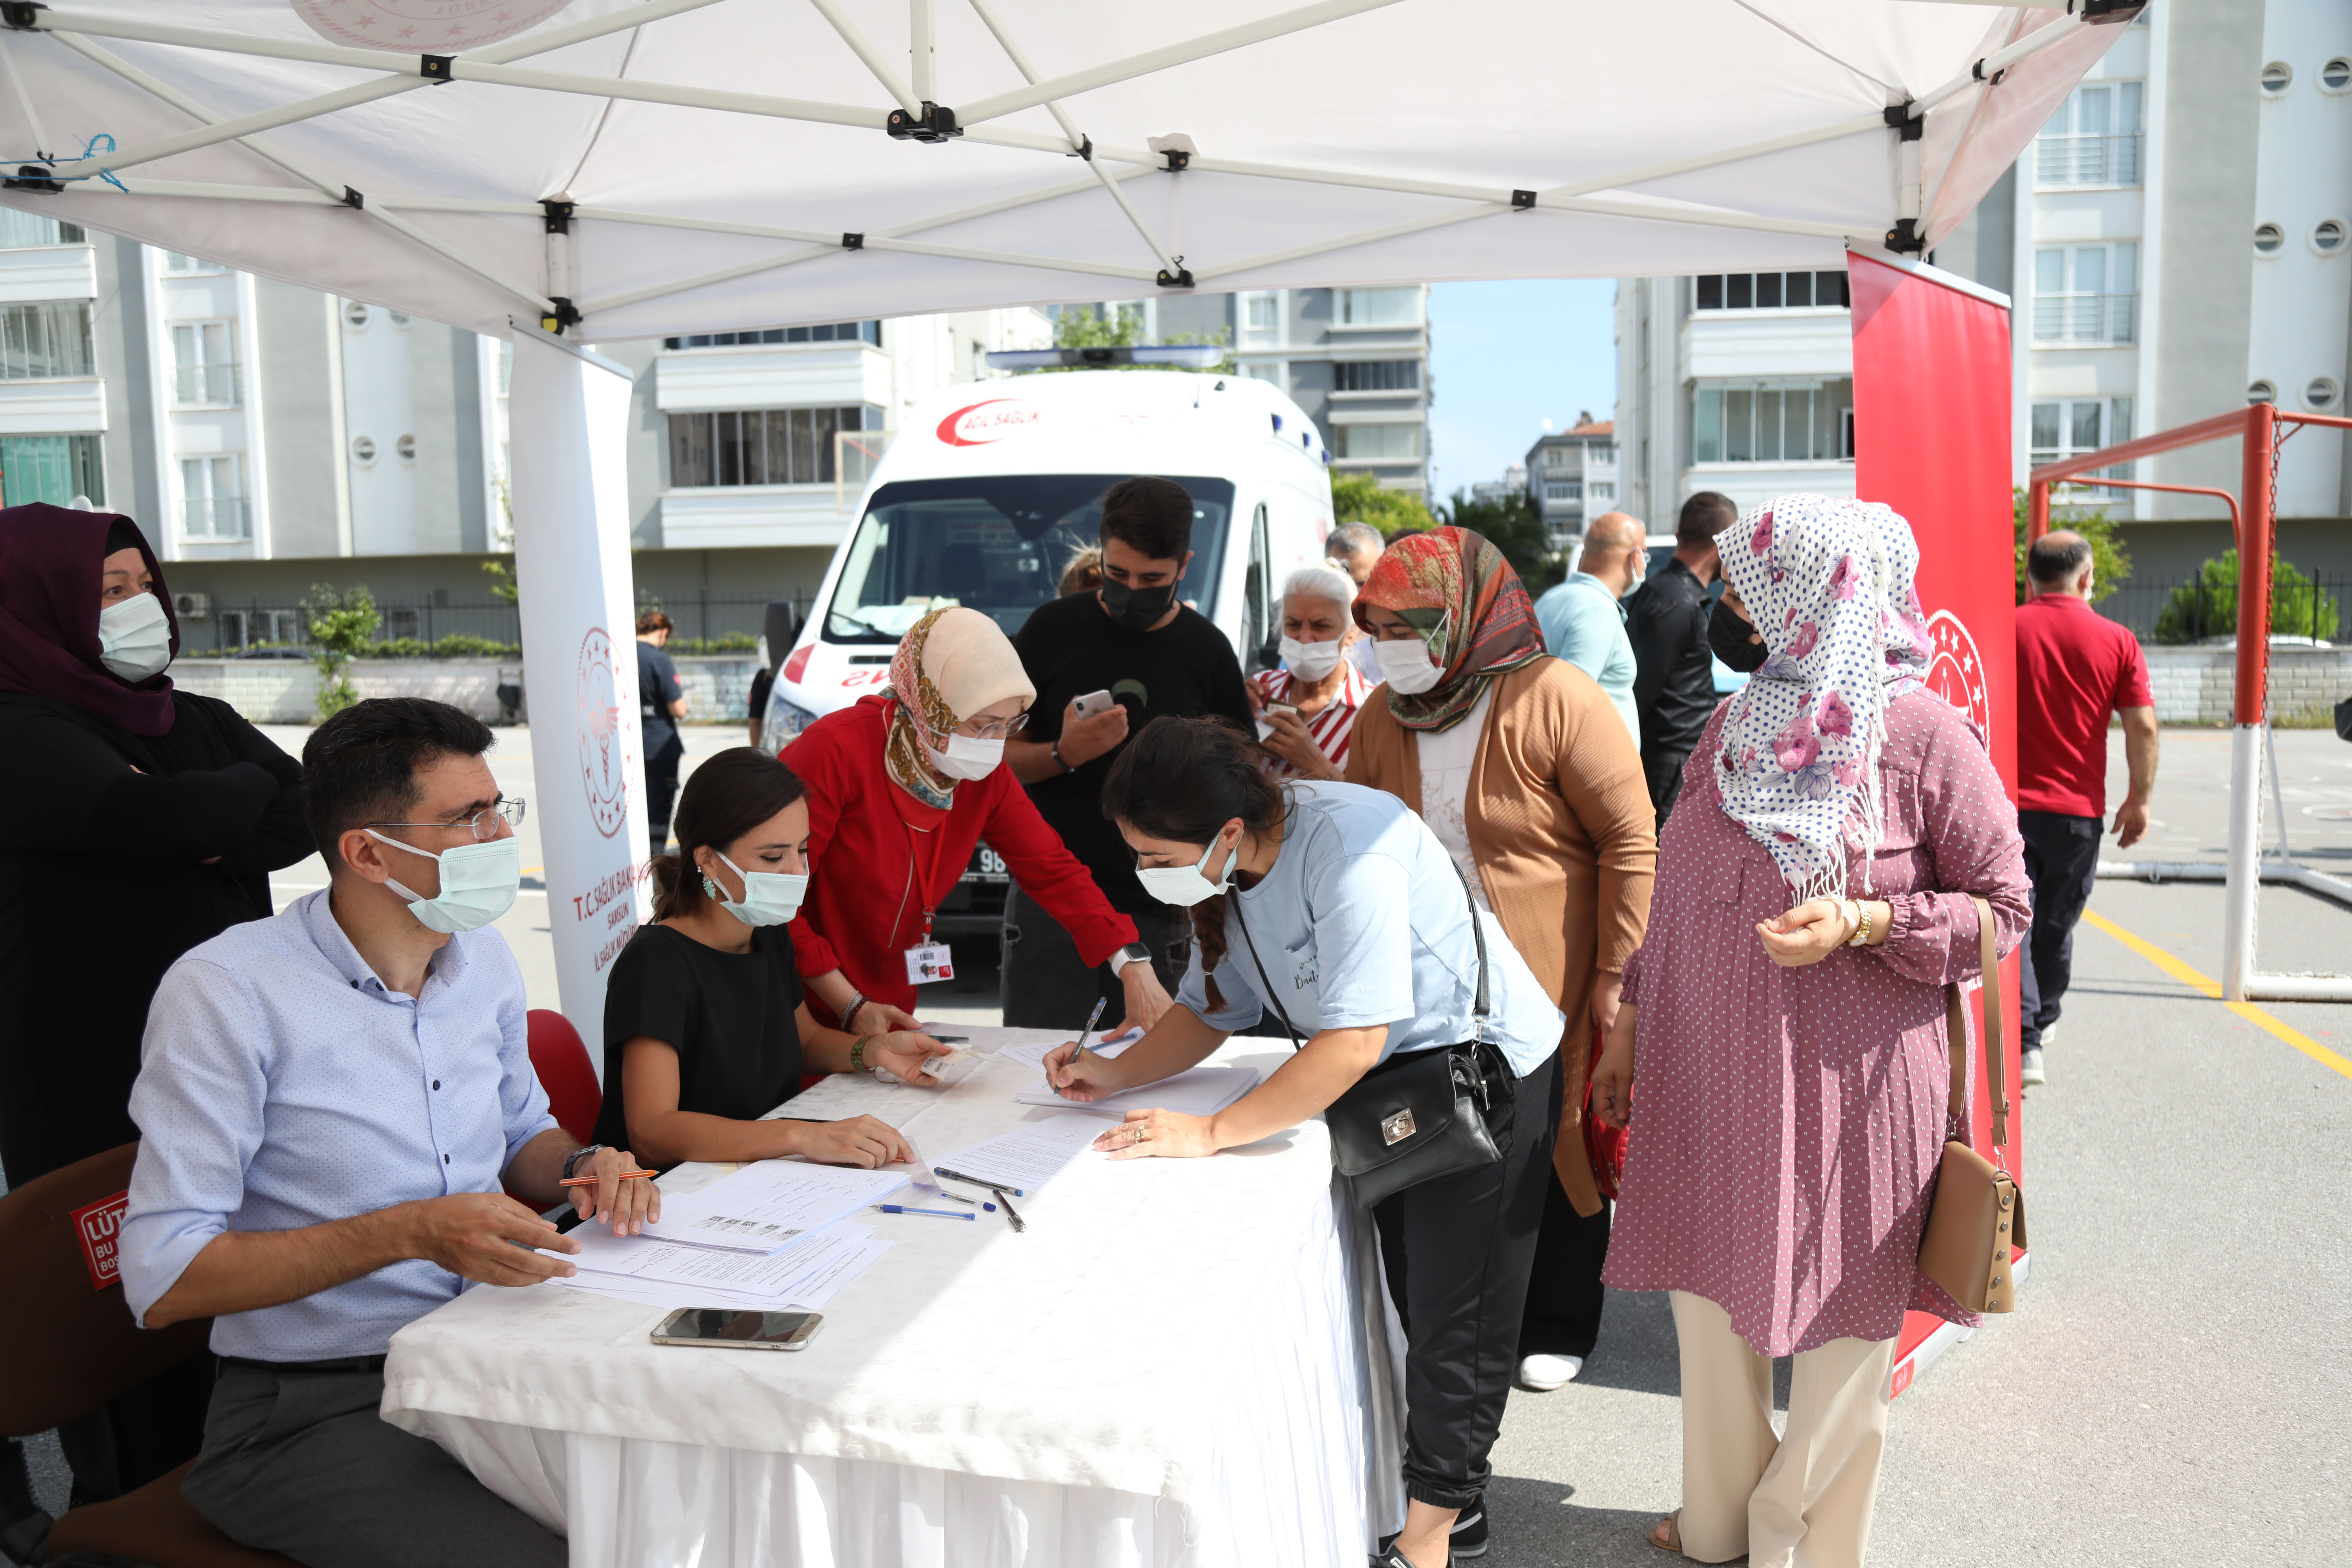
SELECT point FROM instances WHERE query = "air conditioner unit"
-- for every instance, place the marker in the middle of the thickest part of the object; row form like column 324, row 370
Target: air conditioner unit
column 193, row 607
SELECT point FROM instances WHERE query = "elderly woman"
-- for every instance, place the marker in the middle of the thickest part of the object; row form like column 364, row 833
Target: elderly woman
column 901, row 789
column 1783, row 1031
column 1520, row 764
column 1306, row 709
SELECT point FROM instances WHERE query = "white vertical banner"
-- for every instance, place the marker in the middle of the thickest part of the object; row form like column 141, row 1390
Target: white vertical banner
column 567, row 417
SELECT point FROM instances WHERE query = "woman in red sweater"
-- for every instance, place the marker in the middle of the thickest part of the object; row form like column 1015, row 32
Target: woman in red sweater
column 901, row 788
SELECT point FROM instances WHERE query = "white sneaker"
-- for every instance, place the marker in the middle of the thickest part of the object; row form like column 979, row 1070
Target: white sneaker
column 2029, row 1068
column 1542, row 1373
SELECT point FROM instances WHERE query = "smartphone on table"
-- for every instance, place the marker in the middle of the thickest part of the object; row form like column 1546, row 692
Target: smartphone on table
column 738, row 1329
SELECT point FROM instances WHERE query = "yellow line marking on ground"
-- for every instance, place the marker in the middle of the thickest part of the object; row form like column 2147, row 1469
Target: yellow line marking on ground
column 2246, row 1010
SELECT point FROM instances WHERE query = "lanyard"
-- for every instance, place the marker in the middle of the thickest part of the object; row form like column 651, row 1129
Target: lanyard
column 929, row 873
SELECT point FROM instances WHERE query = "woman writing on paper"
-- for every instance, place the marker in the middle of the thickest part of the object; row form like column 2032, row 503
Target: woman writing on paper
column 705, row 1028
column 1334, row 907
column 901, row 789
column 1781, row 1032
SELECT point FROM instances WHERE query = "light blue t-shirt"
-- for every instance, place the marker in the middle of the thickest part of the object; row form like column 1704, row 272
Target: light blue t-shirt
column 1364, row 920
column 1584, row 624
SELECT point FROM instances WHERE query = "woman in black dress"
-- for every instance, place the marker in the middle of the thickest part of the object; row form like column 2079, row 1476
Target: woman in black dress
column 136, row 820
column 705, row 1030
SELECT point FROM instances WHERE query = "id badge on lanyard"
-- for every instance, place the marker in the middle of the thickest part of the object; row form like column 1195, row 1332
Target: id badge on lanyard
column 928, row 962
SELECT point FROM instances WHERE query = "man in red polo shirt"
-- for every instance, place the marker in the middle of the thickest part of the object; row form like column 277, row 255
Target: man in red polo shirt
column 2075, row 666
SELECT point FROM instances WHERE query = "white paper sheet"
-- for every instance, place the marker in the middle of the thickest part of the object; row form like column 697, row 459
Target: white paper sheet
column 770, row 1204
column 814, row 1291
column 1034, row 1056
column 1202, row 1091
column 1029, row 1156
column 663, row 1271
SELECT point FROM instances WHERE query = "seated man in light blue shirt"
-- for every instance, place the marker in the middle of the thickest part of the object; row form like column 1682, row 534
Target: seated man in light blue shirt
column 327, row 1102
column 1583, row 619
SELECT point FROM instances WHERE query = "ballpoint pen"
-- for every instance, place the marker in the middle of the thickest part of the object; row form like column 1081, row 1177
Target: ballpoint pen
column 1092, row 1019
column 935, row 1213
column 1010, row 1215
column 996, row 1187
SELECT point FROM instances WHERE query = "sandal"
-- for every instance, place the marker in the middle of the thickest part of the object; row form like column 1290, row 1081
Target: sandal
column 1389, row 1557
column 1666, row 1535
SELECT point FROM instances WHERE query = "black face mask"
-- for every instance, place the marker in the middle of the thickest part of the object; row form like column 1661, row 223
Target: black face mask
column 1136, row 608
column 1728, row 634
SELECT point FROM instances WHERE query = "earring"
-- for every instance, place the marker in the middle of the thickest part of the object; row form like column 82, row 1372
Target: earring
column 711, row 889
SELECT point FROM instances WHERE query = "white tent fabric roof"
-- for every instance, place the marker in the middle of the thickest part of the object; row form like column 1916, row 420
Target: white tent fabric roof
column 718, row 152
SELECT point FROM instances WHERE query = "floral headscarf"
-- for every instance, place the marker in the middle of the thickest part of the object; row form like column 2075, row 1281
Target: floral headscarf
column 949, row 665
column 1829, row 583
column 1455, row 584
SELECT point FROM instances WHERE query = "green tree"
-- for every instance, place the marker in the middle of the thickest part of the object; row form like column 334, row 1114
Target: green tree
column 1121, row 327
column 342, row 626
column 1358, row 498
column 2110, row 561
column 2207, row 604
column 1512, row 523
column 500, row 570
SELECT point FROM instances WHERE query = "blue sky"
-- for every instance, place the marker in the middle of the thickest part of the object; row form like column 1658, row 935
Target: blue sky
column 1504, row 358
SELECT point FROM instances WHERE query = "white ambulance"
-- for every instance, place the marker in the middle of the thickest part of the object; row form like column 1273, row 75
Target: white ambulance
column 990, row 488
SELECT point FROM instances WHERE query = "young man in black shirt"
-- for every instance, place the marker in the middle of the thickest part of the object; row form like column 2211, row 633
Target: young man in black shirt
column 1673, row 673
column 1134, row 639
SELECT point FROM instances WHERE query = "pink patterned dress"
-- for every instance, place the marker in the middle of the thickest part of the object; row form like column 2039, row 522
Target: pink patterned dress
column 1787, row 1122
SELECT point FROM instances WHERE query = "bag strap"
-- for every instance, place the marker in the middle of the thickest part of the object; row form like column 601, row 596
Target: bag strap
column 1234, row 908
column 1955, row 1028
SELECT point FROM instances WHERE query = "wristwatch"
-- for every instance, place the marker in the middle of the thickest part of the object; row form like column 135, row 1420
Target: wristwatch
column 585, row 1151
column 1133, row 953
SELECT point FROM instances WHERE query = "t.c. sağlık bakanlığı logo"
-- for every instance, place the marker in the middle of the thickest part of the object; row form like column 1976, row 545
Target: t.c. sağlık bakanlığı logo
column 1955, row 673
column 978, row 424
column 604, row 770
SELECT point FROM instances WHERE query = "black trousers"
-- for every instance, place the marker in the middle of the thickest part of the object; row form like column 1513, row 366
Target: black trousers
column 1044, row 985
column 1564, row 1293
column 1662, row 770
column 1456, row 1252
column 661, row 787
column 2061, row 858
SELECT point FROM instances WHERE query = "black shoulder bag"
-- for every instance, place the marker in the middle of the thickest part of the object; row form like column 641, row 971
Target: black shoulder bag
column 1417, row 1116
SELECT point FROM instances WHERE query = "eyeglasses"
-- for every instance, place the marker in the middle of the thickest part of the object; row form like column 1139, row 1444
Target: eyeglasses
column 995, row 728
column 485, row 822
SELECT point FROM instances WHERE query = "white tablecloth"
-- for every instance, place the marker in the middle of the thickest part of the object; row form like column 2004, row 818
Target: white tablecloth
column 1181, row 1362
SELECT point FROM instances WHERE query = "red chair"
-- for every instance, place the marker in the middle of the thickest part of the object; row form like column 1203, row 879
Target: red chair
column 565, row 1072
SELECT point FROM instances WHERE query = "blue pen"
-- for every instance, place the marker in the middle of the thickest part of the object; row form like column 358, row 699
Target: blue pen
column 1092, row 1019
column 935, row 1213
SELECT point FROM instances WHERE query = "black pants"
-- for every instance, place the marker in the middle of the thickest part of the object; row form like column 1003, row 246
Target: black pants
column 661, row 786
column 2061, row 858
column 300, row 1463
column 1044, row 985
column 1456, row 1252
column 1662, row 770
column 1564, row 1293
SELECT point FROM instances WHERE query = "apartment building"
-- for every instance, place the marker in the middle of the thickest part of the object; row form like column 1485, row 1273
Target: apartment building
column 1571, row 474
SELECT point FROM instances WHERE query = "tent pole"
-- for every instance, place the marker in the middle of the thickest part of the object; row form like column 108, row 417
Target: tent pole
column 860, row 46
column 923, row 42
column 1982, row 71
column 567, row 418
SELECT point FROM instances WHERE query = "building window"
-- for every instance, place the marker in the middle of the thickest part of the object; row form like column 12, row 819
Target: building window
column 830, row 332
column 1379, row 443
column 1771, row 291
column 2092, row 140
column 2068, row 429
column 2085, row 293
column 22, row 230
column 176, row 261
column 203, row 365
column 43, row 341
column 1571, row 489
column 1603, row 489
column 1377, row 307
column 212, row 499
column 1376, row 375
column 1261, row 312
column 355, row 315
column 1772, row 421
column 761, row 446
column 247, row 629
column 52, row 468
column 1265, row 370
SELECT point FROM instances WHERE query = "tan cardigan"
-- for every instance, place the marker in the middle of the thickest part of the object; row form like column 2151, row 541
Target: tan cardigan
column 1566, row 842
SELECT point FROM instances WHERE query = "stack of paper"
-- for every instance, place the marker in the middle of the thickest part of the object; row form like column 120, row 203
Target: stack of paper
column 1203, row 1091
column 1034, row 1056
column 1027, row 1157
column 804, row 1275
column 770, row 1204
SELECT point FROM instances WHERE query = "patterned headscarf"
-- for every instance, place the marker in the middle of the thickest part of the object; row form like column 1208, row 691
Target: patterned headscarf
column 949, row 665
column 1829, row 583
column 1455, row 586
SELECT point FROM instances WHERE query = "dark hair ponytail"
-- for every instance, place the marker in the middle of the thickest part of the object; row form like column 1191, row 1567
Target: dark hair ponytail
column 1182, row 780
column 730, row 794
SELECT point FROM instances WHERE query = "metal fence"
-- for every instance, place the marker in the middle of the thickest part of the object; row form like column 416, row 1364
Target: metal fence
column 213, row 627
column 2190, row 611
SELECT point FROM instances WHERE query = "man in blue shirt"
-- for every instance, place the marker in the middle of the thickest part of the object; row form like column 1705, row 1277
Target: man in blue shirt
column 1583, row 619
column 327, row 1101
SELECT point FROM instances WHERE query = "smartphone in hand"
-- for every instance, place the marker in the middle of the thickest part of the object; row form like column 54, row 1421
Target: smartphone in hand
column 1092, row 703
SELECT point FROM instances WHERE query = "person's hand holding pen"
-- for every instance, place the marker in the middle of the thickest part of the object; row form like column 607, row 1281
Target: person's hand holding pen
column 622, row 1196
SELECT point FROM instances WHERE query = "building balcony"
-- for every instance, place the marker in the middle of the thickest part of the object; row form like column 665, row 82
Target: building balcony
column 208, row 385
column 2072, row 163
column 2085, row 318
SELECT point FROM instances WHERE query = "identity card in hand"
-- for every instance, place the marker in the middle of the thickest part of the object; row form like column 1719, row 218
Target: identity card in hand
column 1029, row 1156
column 770, row 1204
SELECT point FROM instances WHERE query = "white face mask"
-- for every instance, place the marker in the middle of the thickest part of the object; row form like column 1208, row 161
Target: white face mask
column 1310, row 660
column 1406, row 665
column 1185, row 886
column 968, row 757
column 479, row 883
column 134, row 637
column 770, row 898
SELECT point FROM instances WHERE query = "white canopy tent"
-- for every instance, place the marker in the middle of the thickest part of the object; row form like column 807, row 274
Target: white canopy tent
column 634, row 168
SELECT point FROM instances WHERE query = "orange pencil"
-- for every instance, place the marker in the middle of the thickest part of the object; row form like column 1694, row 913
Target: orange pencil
column 592, row 1180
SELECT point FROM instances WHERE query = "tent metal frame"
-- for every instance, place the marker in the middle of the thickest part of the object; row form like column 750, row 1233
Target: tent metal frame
column 918, row 115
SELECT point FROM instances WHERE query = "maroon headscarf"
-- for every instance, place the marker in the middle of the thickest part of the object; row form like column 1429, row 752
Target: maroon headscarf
column 51, row 558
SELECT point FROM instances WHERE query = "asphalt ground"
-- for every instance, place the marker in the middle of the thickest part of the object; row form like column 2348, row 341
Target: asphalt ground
column 2176, row 1387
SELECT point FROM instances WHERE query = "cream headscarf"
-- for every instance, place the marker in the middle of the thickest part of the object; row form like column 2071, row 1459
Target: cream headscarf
column 949, row 666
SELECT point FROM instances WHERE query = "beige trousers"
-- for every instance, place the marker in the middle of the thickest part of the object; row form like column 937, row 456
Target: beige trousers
column 1801, row 1500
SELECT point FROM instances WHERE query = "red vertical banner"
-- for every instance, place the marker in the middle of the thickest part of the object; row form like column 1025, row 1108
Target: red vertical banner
column 1932, row 432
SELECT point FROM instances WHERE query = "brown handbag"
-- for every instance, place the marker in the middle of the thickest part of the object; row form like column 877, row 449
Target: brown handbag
column 1978, row 1212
